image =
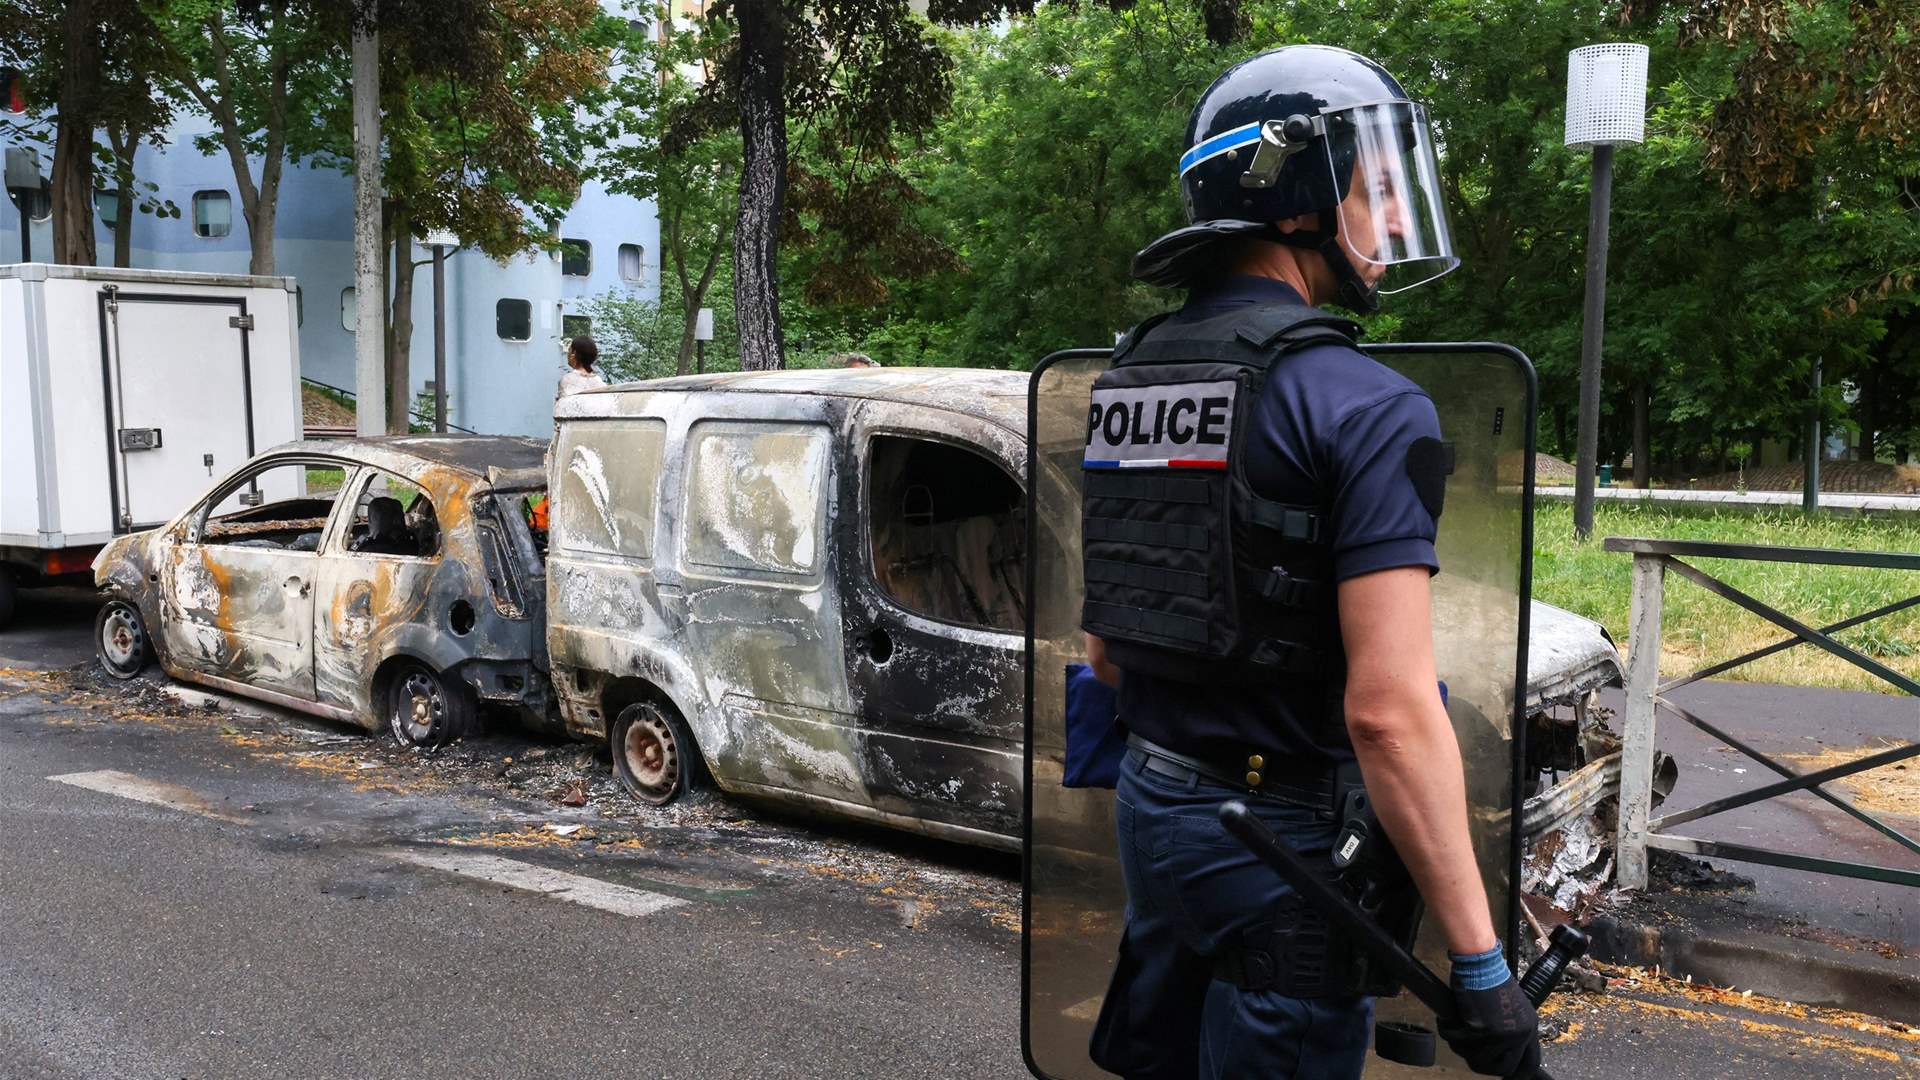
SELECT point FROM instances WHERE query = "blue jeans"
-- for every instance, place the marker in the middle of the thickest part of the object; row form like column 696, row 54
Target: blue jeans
column 1192, row 888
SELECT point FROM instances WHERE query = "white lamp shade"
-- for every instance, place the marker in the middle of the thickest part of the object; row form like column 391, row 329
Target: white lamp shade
column 1606, row 95
column 703, row 324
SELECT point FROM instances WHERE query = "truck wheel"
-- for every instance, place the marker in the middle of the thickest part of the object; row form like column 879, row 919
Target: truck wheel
column 7, row 589
column 653, row 753
column 426, row 708
column 120, row 639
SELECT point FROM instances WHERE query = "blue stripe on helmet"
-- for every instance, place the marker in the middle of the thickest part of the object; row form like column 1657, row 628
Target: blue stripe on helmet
column 1220, row 144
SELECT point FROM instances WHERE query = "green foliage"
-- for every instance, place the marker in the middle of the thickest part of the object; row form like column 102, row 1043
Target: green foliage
column 1702, row 628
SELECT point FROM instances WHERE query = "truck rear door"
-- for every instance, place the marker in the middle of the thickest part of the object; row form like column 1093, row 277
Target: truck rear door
column 179, row 397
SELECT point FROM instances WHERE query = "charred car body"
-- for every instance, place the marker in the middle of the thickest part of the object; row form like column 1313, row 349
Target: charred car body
column 389, row 581
column 809, row 586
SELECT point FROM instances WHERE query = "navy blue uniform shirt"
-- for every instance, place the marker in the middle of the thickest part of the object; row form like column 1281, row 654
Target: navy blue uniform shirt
column 1331, row 428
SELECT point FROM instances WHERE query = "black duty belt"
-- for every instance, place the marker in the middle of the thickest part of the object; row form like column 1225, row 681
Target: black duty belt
column 1311, row 787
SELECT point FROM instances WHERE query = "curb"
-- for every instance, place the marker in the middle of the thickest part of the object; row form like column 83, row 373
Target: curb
column 1789, row 969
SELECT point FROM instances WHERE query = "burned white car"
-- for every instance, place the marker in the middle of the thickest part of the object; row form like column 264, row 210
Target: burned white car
column 392, row 581
column 809, row 586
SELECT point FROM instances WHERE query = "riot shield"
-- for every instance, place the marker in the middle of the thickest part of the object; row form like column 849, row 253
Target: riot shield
column 1074, row 902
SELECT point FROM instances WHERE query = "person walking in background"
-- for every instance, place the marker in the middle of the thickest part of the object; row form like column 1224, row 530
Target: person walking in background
column 582, row 354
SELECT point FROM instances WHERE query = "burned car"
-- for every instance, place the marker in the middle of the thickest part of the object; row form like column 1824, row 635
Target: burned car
column 388, row 581
column 808, row 586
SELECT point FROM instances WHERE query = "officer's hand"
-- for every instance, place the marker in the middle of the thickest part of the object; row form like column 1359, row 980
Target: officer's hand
column 1497, row 1033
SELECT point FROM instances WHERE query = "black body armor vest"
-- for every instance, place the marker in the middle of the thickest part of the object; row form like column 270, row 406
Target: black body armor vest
column 1189, row 574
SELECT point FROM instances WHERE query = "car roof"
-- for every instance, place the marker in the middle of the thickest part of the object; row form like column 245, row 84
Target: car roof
column 474, row 455
column 998, row 397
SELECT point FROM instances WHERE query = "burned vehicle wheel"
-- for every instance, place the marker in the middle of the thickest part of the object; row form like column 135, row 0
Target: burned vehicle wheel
column 425, row 708
column 653, row 754
column 120, row 638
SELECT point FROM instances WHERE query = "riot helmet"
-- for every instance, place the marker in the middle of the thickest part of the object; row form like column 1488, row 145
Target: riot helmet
column 1311, row 130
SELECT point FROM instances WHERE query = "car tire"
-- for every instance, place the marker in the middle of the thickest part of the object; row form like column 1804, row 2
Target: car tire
column 654, row 754
column 120, row 639
column 426, row 708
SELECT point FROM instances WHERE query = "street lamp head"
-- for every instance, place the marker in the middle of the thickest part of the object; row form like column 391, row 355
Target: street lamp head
column 1606, row 95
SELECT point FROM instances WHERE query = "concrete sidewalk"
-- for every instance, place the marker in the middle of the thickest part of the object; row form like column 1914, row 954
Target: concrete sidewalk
column 1814, row 938
column 1746, row 500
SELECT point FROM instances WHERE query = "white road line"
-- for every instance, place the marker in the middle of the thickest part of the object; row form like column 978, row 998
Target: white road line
column 152, row 792
column 591, row 892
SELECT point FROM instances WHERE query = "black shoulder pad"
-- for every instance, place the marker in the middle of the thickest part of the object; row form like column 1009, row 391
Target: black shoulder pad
column 1429, row 463
column 1265, row 324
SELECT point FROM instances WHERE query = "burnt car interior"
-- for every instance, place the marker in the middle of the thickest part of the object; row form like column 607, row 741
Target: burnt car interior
column 394, row 517
column 948, row 533
column 287, row 524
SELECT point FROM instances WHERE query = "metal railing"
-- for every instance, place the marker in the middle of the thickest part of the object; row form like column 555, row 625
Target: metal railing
column 1646, row 695
column 413, row 413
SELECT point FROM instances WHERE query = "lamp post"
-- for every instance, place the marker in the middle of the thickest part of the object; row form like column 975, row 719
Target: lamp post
column 440, row 241
column 702, row 333
column 1606, row 105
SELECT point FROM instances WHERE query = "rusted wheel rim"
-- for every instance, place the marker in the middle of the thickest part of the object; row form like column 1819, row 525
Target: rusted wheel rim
column 652, row 756
column 122, row 641
column 419, row 708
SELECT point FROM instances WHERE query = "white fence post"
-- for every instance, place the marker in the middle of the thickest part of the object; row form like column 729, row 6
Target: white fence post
column 1636, row 756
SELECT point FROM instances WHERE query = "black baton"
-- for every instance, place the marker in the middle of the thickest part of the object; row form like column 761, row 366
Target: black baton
column 1327, row 898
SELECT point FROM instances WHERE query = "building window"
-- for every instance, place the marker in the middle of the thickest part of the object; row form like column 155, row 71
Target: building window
column 633, row 265
column 573, row 326
column 513, row 320
column 576, row 258
column 349, row 310
column 107, row 204
column 212, row 213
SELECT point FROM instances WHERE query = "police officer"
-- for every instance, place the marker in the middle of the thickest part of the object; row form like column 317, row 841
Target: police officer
column 1261, row 506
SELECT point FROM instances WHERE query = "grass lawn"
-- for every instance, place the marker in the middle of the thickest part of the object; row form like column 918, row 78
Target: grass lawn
column 324, row 481
column 1700, row 628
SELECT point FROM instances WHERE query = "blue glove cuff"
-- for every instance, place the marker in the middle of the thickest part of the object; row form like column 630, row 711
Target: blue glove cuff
column 1481, row 971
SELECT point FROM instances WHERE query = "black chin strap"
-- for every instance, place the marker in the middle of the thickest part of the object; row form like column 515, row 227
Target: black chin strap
column 1355, row 294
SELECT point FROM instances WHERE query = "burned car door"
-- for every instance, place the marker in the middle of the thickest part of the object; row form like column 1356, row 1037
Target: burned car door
column 237, row 577
column 375, row 577
column 933, row 577
column 760, row 604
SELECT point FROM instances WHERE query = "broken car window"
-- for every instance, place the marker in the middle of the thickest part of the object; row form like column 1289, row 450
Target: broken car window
column 754, row 495
column 276, row 507
column 608, row 471
column 949, row 533
column 393, row 516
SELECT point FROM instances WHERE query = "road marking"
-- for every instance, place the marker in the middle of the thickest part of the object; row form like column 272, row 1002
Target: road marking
column 591, row 892
column 152, row 792
column 1088, row 1010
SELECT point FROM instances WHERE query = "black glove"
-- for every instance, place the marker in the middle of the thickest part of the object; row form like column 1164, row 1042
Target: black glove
column 1496, row 1033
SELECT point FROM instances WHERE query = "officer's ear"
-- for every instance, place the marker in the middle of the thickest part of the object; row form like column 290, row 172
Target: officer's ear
column 1300, row 223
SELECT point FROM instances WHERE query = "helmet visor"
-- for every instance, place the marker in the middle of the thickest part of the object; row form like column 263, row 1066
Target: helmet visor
column 1393, row 221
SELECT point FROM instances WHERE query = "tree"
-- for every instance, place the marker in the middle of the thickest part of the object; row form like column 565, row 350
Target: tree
column 256, row 71
column 656, row 144
column 482, row 132
column 98, row 57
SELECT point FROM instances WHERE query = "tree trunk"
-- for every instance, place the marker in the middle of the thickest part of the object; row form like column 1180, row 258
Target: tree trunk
column 73, row 137
column 1642, row 441
column 763, row 182
column 692, row 295
column 400, row 334
column 125, row 145
column 369, row 286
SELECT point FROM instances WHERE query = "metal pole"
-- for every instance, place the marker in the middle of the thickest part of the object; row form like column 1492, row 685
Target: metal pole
column 699, row 358
column 1588, row 448
column 26, row 231
column 440, row 338
column 1810, row 488
column 369, row 277
column 1643, row 694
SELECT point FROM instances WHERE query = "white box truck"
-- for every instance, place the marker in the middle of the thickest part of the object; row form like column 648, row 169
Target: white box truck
column 123, row 393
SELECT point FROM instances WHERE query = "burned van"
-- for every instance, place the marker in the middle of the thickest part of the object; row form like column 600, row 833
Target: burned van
column 804, row 585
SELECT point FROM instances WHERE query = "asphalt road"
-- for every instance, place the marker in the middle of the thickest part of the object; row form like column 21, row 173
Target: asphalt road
column 194, row 888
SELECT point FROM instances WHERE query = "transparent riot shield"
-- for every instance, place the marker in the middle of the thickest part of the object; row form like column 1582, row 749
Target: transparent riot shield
column 1074, row 900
